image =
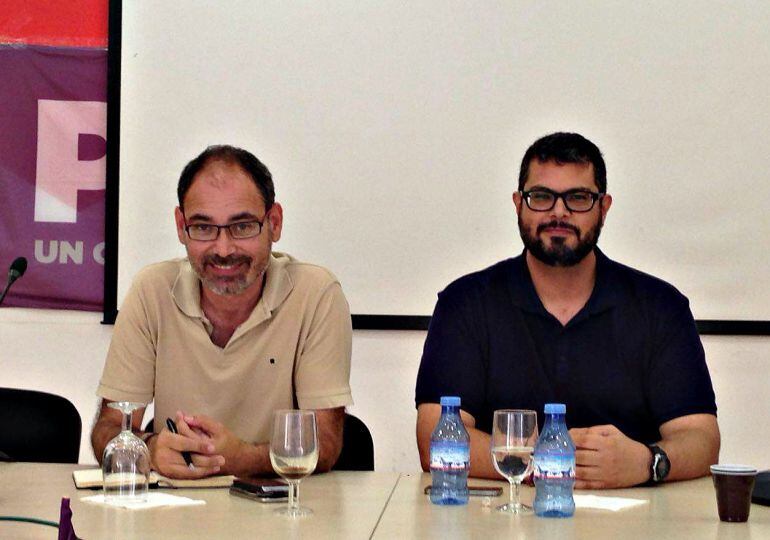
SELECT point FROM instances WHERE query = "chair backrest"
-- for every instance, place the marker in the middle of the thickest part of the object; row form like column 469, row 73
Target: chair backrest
column 357, row 447
column 37, row 426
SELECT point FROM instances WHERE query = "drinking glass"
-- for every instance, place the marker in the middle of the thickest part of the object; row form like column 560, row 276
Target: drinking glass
column 294, row 453
column 126, row 462
column 514, row 434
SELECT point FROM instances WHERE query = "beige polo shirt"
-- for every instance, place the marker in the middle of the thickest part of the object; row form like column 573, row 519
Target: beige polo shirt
column 293, row 351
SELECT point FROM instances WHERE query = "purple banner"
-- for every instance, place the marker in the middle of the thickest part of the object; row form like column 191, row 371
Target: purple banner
column 53, row 121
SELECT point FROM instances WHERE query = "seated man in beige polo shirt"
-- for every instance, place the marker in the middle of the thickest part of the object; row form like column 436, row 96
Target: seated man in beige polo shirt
column 223, row 338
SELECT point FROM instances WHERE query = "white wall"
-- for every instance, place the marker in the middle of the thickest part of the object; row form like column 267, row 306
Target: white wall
column 63, row 352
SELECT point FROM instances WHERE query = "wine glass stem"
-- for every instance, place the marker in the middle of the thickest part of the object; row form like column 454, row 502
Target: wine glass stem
column 126, row 421
column 514, row 494
column 294, row 495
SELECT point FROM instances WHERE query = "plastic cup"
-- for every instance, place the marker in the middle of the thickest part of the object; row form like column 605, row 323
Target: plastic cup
column 733, row 485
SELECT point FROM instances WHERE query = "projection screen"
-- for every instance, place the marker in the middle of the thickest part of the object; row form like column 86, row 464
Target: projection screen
column 394, row 132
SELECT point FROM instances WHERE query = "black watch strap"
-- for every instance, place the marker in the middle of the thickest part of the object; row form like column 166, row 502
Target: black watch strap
column 660, row 466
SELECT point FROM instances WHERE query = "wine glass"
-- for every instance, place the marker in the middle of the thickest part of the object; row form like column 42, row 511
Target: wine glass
column 126, row 462
column 294, row 453
column 514, row 434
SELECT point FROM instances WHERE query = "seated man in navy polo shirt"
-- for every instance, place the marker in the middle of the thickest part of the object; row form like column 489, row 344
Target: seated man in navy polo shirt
column 563, row 323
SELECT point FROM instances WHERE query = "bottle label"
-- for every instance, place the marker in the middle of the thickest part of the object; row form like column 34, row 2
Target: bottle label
column 554, row 467
column 450, row 456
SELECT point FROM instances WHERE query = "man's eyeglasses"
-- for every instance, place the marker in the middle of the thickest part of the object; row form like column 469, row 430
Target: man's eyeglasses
column 576, row 200
column 208, row 232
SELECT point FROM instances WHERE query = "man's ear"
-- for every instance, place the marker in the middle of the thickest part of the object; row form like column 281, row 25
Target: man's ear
column 517, row 201
column 179, row 219
column 606, row 202
column 275, row 222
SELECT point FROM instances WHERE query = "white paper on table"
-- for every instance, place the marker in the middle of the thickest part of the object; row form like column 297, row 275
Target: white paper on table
column 154, row 500
column 613, row 504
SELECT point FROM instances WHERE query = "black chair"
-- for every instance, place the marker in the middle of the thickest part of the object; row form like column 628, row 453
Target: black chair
column 357, row 447
column 37, row 426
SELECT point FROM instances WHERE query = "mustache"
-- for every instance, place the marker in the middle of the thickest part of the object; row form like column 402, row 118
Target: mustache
column 558, row 224
column 227, row 261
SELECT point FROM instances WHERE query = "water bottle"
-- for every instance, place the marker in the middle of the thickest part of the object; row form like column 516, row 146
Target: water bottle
column 450, row 456
column 554, row 466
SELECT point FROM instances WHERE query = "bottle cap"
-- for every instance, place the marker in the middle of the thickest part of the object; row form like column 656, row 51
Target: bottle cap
column 555, row 408
column 450, row 401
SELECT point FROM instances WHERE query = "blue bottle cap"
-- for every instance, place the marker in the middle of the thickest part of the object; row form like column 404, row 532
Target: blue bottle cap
column 555, row 408
column 450, row 401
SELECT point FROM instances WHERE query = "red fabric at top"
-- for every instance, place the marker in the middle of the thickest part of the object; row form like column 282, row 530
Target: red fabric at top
column 63, row 23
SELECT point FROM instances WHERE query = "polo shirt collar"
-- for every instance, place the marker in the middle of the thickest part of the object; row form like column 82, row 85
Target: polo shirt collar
column 603, row 297
column 186, row 291
column 606, row 288
column 523, row 293
column 278, row 284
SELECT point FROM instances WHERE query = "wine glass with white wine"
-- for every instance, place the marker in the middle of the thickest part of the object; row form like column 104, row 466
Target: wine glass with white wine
column 514, row 434
column 294, row 453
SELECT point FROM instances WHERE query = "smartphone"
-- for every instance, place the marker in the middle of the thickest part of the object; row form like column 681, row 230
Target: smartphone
column 478, row 491
column 265, row 490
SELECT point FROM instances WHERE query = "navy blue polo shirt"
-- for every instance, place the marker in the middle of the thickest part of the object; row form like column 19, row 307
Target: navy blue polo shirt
column 631, row 357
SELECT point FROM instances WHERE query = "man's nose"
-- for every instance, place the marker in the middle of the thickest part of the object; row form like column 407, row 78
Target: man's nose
column 560, row 208
column 224, row 244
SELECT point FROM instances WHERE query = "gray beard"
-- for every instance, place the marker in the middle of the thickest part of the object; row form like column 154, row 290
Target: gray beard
column 228, row 288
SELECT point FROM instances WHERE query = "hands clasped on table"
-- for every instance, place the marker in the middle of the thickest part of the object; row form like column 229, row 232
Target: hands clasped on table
column 202, row 437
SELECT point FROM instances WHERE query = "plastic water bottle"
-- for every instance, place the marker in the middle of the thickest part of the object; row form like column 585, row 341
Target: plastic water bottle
column 450, row 456
column 554, row 466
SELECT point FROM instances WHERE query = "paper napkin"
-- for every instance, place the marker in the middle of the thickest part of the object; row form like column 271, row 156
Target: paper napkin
column 613, row 504
column 154, row 500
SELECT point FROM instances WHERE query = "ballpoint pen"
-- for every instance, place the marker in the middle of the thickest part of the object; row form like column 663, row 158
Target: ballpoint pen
column 186, row 455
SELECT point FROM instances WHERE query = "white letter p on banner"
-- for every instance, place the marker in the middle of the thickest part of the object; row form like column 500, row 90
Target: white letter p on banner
column 60, row 174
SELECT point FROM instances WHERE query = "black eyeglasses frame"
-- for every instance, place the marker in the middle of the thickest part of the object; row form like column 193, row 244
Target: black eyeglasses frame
column 595, row 196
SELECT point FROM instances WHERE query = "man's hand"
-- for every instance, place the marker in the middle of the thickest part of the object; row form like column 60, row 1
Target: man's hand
column 166, row 451
column 606, row 458
column 223, row 442
column 428, row 415
column 241, row 458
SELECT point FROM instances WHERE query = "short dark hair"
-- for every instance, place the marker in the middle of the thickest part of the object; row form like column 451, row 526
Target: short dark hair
column 229, row 154
column 565, row 148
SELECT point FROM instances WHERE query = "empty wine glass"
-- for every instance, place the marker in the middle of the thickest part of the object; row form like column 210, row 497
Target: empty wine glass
column 126, row 462
column 294, row 453
column 514, row 434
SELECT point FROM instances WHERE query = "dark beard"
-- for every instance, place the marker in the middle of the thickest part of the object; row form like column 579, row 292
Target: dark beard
column 560, row 254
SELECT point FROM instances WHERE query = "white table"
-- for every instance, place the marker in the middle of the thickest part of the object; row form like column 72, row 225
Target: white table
column 363, row 505
column 346, row 505
column 681, row 510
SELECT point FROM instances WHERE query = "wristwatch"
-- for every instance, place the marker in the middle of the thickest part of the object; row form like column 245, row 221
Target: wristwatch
column 660, row 465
